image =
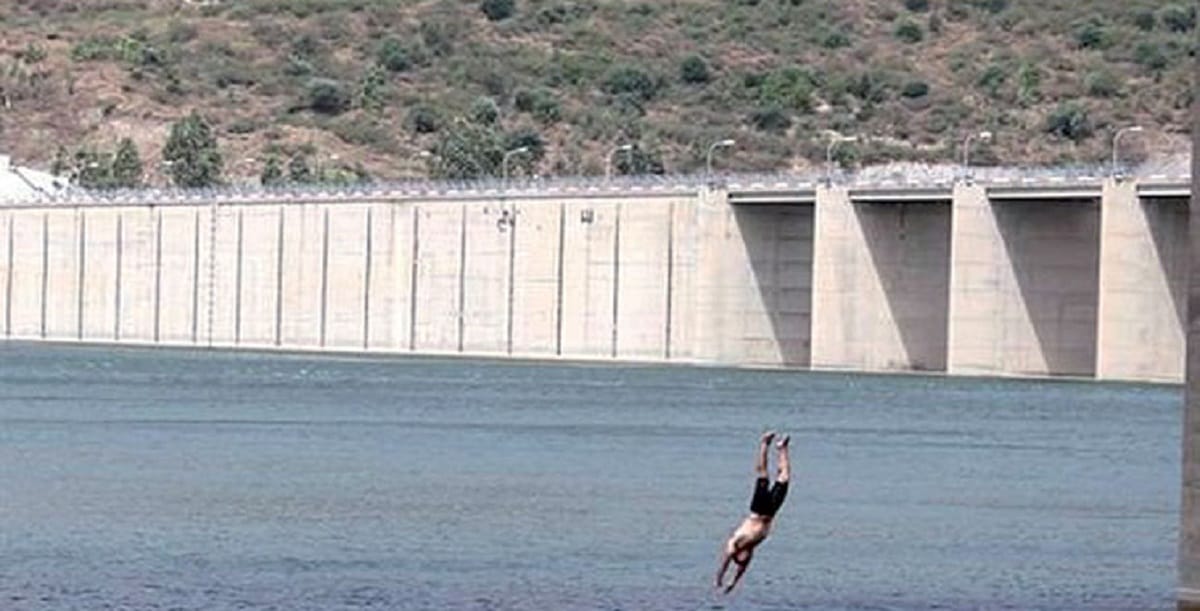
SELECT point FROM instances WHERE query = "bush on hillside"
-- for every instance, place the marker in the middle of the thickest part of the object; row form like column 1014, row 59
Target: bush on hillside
column 770, row 119
column 790, row 87
column 423, row 120
column 909, row 31
column 694, row 70
column 1102, row 84
column 394, row 56
column 992, row 79
column 917, row 6
column 1178, row 18
column 632, row 81
column 1144, row 20
column 328, row 96
column 1150, row 55
column 1092, row 34
column 485, row 111
column 836, row 39
column 1069, row 120
column 915, row 89
column 495, row 10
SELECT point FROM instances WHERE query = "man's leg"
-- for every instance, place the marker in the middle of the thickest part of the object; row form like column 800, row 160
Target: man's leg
column 760, row 467
column 785, row 466
column 780, row 487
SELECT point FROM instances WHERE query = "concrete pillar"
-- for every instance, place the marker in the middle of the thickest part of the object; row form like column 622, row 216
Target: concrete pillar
column 1141, row 302
column 881, row 281
column 1189, row 525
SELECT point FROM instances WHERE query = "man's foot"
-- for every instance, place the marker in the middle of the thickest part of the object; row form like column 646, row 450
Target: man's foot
column 783, row 442
column 767, row 437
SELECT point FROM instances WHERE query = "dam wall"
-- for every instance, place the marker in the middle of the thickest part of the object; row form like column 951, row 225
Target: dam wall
column 1081, row 278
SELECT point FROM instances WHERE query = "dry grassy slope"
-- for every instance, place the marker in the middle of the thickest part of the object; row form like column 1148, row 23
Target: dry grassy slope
column 232, row 64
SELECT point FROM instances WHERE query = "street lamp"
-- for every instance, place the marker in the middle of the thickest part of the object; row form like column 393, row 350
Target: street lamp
column 504, row 162
column 711, row 149
column 608, row 161
column 835, row 139
column 983, row 136
column 1132, row 129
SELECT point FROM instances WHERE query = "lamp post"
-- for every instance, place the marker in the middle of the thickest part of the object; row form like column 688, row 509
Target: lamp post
column 1132, row 129
column 504, row 163
column 983, row 136
column 835, row 140
column 708, row 159
column 608, row 161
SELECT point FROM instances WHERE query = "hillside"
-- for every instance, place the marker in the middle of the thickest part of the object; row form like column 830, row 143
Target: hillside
column 372, row 83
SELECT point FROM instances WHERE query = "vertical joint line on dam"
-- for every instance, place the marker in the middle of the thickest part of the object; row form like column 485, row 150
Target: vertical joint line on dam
column 324, row 273
column 414, row 267
column 670, row 278
column 616, row 279
column 81, row 281
column 462, row 277
column 8, row 282
column 558, row 303
column 157, row 274
column 237, row 295
column 196, row 276
column 366, row 315
column 279, row 278
column 212, row 268
column 512, row 261
column 45, row 270
column 117, row 285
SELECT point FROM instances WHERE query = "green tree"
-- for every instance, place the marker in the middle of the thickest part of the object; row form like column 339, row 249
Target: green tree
column 191, row 153
column 93, row 169
column 272, row 173
column 299, row 170
column 127, row 166
column 61, row 164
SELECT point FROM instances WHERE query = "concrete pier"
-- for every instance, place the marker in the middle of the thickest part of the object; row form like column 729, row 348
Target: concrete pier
column 1188, row 592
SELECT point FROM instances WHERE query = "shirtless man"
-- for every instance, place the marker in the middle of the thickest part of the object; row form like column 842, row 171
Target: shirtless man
column 739, row 549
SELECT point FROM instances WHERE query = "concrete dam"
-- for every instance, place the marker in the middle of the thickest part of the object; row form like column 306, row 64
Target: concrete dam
column 1058, row 276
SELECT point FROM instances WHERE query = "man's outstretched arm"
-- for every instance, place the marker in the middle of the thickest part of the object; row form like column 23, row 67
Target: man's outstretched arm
column 726, row 557
column 737, row 575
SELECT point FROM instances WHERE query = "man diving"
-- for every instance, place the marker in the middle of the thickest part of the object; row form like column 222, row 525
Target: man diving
column 767, row 499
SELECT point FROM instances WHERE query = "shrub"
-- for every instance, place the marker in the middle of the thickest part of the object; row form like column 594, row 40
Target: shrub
column 694, row 70
column 789, row 87
column 1069, row 120
column 547, row 109
column 915, row 89
column 1102, row 84
column 992, row 79
column 1150, row 55
column 917, row 6
column 1092, row 34
column 495, row 10
column 770, row 119
column 1178, row 18
column 909, row 31
column 485, row 111
column 327, row 96
column 837, row 39
column 394, row 56
column 1144, row 20
column 632, row 81
column 424, row 120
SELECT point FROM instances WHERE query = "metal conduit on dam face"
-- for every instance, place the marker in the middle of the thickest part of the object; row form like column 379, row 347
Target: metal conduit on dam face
column 1067, row 275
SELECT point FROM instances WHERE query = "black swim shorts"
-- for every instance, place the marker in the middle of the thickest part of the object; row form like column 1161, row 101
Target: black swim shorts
column 767, row 497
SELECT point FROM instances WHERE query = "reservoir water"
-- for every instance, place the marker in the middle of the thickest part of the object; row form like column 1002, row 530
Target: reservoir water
column 161, row 479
